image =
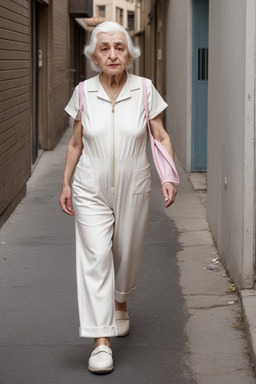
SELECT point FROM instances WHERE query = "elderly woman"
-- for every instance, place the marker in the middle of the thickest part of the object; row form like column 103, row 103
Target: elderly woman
column 111, row 186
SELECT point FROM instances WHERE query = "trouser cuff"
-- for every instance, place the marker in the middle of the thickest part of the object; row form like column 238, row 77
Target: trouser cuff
column 122, row 297
column 108, row 331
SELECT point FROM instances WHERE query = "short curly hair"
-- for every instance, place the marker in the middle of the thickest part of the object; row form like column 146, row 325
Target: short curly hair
column 109, row 27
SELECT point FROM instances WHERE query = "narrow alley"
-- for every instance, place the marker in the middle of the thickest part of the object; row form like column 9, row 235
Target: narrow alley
column 193, row 318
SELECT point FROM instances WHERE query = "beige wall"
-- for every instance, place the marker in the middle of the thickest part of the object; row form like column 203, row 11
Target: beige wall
column 231, row 135
column 167, row 61
column 179, row 77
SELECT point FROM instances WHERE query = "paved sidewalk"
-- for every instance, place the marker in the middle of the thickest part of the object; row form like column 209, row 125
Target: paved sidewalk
column 215, row 328
column 185, row 321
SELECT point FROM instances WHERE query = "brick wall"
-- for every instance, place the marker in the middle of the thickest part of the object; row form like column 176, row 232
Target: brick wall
column 32, row 94
column 15, row 137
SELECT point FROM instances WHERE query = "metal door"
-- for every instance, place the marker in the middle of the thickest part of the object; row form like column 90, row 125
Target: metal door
column 200, row 84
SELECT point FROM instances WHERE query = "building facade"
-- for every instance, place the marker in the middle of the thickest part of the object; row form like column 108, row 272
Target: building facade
column 40, row 63
column 121, row 11
column 202, row 59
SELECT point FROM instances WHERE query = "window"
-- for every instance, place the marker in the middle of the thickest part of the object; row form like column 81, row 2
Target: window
column 202, row 72
column 101, row 11
column 130, row 21
column 119, row 15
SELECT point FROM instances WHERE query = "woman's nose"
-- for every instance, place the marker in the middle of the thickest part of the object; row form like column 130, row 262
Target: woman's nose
column 112, row 53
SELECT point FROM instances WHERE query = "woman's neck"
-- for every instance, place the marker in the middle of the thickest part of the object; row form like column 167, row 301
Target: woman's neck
column 115, row 81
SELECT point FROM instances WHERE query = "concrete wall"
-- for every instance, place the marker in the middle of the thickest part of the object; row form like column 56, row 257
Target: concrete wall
column 179, row 77
column 231, row 135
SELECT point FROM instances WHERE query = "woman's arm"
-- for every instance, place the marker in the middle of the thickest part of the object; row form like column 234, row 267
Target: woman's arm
column 160, row 134
column 74, row 151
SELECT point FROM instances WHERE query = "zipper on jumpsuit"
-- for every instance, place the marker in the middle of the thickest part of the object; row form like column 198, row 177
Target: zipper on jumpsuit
column 113, row 150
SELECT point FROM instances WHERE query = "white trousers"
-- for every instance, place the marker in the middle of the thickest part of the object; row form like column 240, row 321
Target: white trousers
column 110, row 231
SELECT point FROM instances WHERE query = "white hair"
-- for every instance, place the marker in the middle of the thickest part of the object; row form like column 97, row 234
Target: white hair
column 109, row 27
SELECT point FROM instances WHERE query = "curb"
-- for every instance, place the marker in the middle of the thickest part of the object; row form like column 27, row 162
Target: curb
column 248, row 302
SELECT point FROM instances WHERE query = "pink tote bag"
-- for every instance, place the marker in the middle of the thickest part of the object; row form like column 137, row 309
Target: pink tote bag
column 163, row 161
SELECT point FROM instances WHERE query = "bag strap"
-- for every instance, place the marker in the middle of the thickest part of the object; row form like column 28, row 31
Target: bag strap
column 145, row 102
column 80, row 95
column 145, row 97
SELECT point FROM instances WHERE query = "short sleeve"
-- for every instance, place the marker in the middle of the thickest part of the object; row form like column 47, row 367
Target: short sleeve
column 72, row 107
column 156, row 103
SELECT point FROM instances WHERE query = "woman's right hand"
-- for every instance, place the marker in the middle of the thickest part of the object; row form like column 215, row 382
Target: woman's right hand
column 65, row 200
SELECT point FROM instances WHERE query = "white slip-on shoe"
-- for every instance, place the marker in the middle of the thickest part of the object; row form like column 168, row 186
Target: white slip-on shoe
column 101, row 360
column 122, row 323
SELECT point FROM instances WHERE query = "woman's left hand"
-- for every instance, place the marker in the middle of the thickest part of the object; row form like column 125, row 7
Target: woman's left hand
column 169, row 193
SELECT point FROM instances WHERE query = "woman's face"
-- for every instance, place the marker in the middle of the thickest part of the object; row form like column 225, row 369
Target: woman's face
column 111, row 53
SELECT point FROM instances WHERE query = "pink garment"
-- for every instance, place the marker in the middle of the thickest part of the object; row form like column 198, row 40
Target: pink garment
column 163, row 161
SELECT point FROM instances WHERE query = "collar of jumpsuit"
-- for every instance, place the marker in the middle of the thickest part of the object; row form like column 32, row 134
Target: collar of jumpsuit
column 133, row 83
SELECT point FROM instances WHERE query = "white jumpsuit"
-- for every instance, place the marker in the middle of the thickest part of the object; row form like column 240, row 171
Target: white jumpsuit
column 111, row 193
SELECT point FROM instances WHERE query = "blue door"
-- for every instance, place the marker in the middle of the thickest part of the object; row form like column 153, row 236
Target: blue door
column 200, row 84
